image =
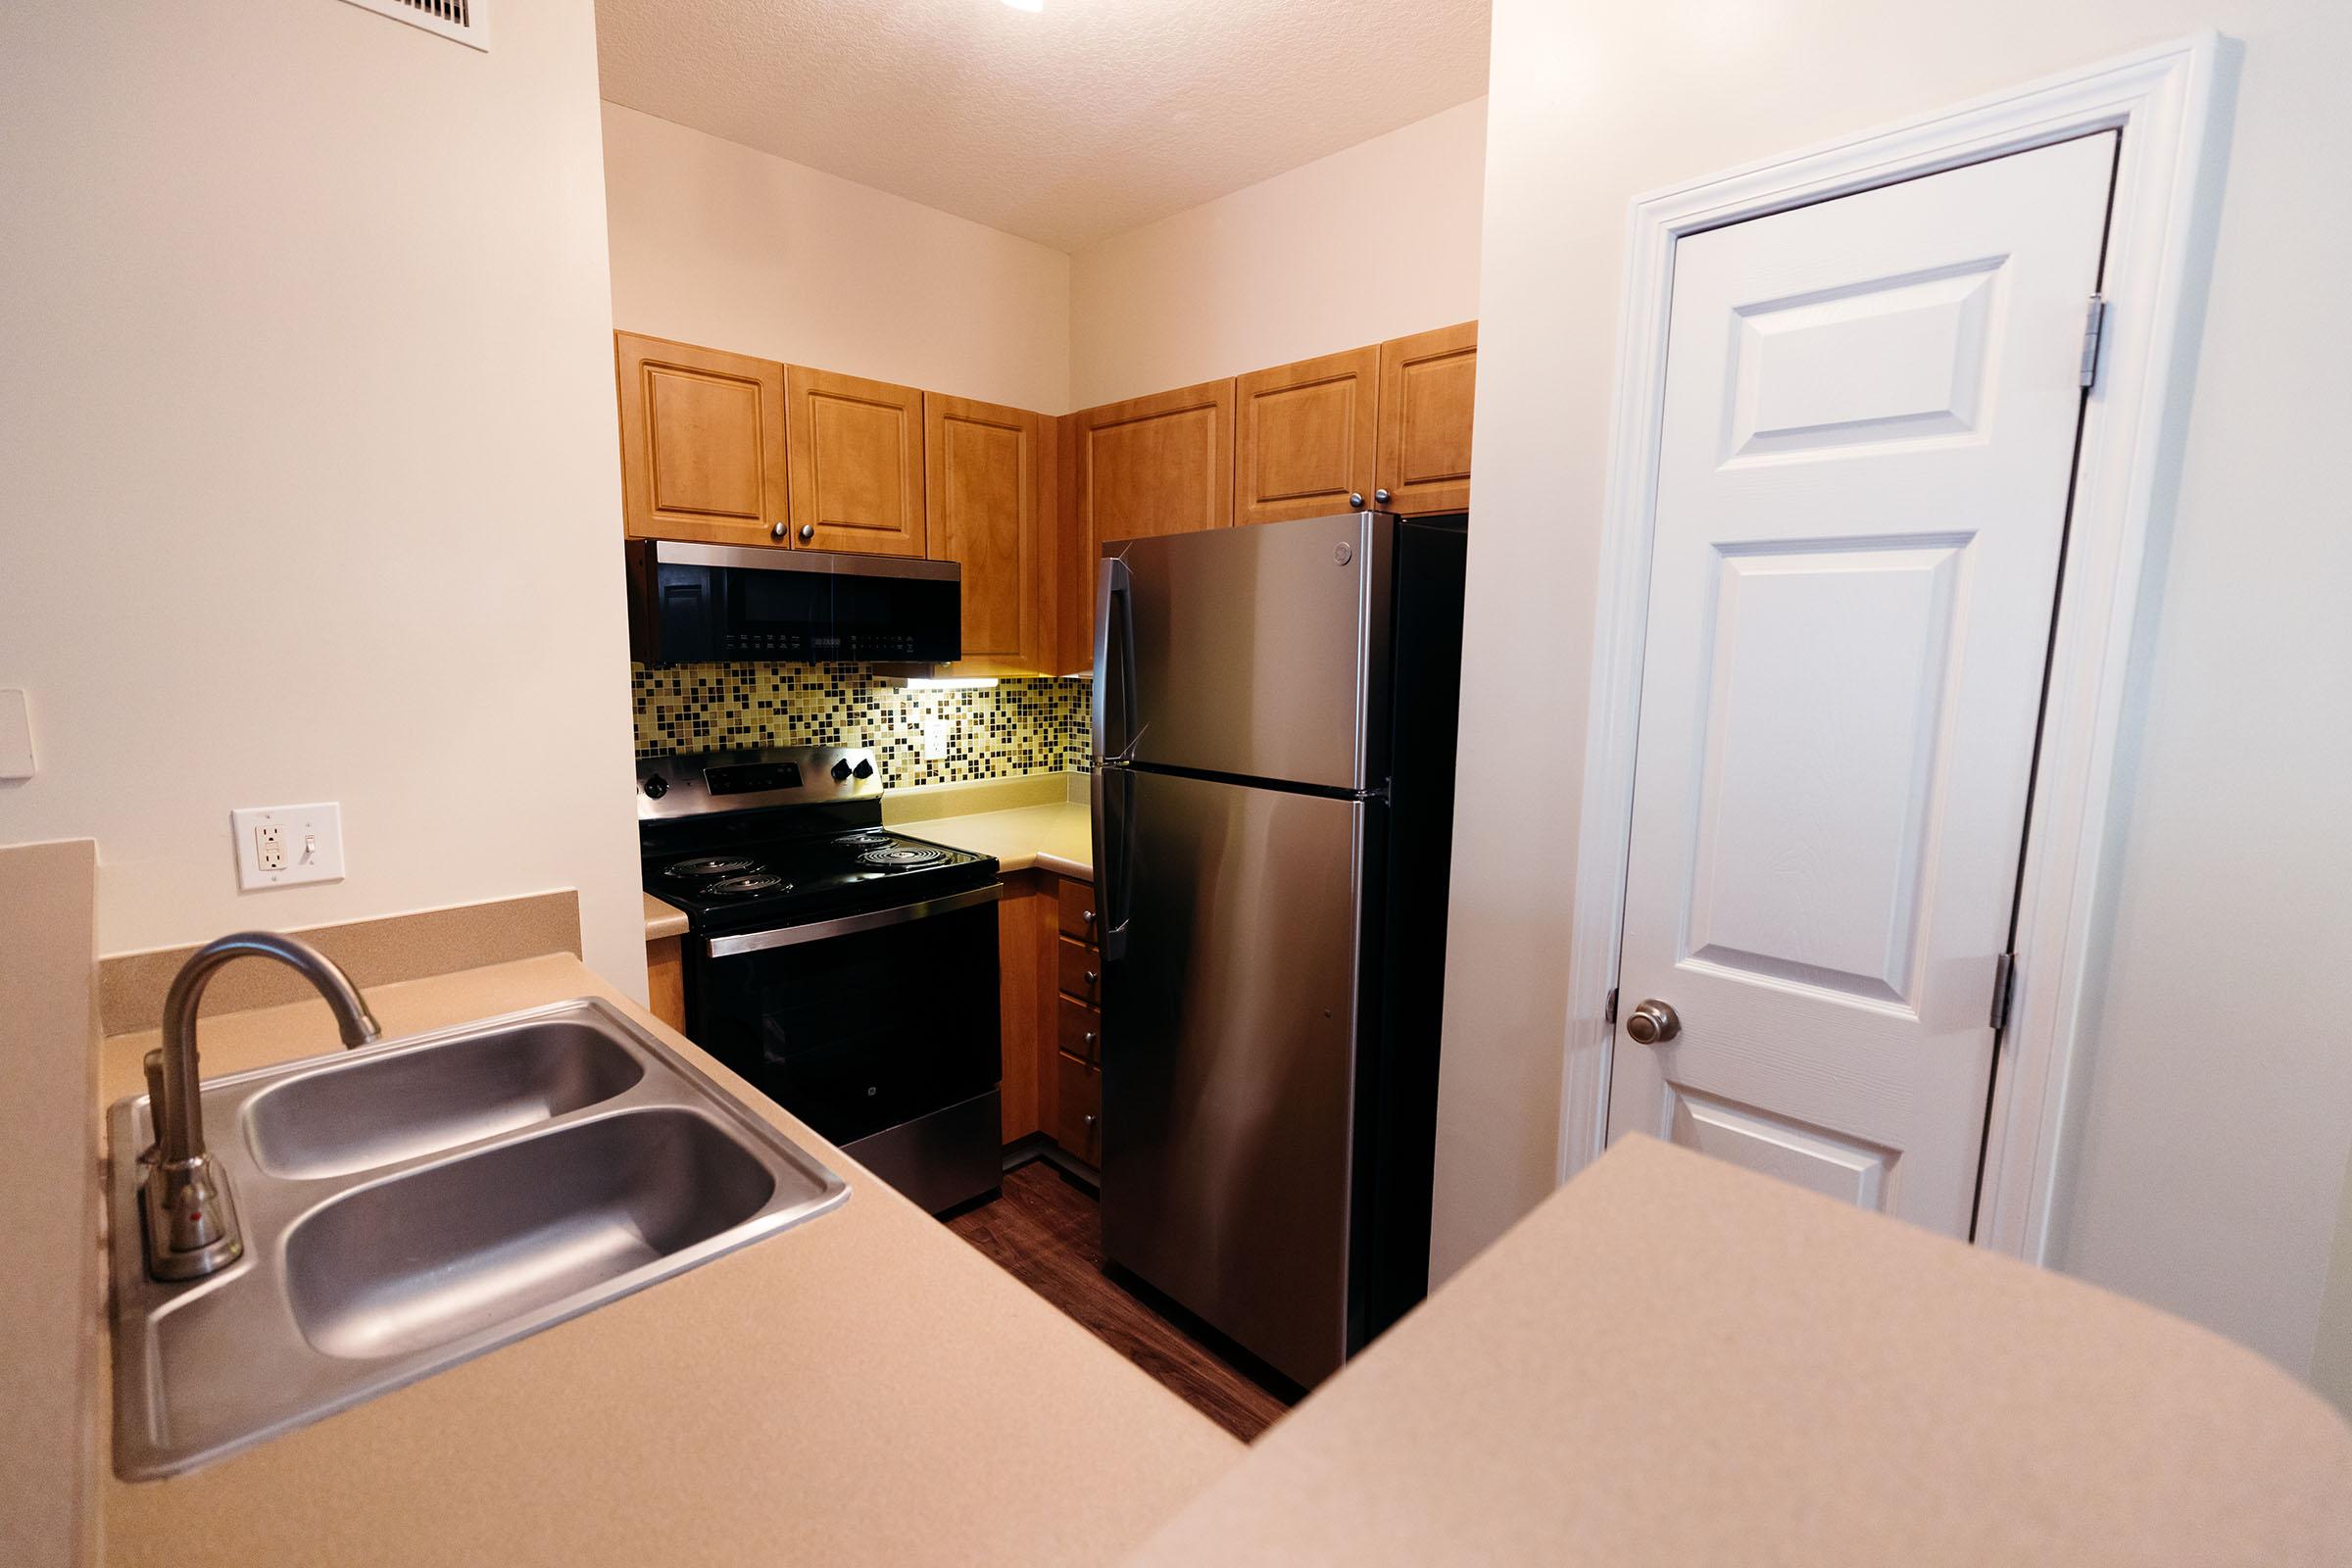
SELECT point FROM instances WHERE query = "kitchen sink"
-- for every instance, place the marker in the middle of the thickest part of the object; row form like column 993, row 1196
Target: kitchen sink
column 411, row 1204
column 393, row 1103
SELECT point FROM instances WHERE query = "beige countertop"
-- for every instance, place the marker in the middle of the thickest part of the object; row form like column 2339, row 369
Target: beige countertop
column 662, row 919
column 1675, row 1361
column 1049, row 838
column 864, row 1389
column 1040, row 820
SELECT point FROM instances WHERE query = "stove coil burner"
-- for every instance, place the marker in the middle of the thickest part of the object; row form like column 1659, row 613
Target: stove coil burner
column 903, row 857
column 713, row 865
column 738, row 886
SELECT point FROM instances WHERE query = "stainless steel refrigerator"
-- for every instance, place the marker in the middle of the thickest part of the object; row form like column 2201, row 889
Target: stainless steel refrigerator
column 1275, row 716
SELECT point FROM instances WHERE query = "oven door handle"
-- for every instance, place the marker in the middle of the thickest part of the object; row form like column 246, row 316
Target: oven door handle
column 792, row 936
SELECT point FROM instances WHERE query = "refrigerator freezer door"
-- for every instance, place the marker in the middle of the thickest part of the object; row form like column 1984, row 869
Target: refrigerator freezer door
column 1229, row 1060
column 1255, row 652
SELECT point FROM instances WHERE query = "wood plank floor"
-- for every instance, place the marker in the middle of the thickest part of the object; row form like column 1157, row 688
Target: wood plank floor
column 1047, row 1231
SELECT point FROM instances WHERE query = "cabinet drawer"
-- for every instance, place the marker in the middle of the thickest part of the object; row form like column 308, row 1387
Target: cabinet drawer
column 1078, row 1110
column 1078, row 909
column 1080, row 1032
column 1081, row 972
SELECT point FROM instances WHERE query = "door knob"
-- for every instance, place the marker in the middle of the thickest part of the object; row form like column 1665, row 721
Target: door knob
column 1652, row 1023
column 776, row 533
column 808, row 531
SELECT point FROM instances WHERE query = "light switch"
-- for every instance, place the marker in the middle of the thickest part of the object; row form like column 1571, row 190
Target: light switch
column 16, row 735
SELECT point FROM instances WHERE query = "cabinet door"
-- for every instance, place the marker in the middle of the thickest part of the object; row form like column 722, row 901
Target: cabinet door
column 856, row 464
column 1150, row 466
column 981, row 500
column 1426, row 382
column 1302, row 437
column 1078, row 1108
column 1073, row 560
column 1157, row 464
column 701, row 443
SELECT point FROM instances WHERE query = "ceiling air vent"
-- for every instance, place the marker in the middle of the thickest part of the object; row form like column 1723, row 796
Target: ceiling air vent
column 466, row 20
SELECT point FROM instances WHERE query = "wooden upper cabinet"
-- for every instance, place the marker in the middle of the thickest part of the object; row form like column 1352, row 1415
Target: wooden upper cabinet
column 1302, row 437
column 1156, row 464
column 1073, row 558
column 701, row 442
column 985, row 472
column 1426, row 382
column 1150, row 466
column 856, row 464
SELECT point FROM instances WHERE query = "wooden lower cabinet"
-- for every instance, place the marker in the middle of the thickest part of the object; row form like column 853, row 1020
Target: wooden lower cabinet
column 665, row 981
column 1078, row 1110
column 1052, row 1029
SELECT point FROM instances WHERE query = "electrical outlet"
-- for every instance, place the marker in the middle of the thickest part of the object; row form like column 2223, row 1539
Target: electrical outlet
column 934, row 738
column 282, row 845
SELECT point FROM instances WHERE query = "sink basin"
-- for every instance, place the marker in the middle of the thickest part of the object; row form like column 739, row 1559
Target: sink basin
column 380, row 1106
column 439, row 1253
column 414, row 1203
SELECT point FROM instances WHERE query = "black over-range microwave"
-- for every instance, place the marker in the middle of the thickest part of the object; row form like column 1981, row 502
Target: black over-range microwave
column 694, row 604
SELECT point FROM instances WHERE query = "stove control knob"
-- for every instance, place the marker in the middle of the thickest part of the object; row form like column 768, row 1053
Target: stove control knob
column 865, row 768
column 656, row 786
column 841, row 770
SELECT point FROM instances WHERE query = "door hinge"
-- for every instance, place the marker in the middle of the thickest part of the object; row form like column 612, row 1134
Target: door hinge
column 2094, row 326
column 2004, row 985
column 1609, row 1016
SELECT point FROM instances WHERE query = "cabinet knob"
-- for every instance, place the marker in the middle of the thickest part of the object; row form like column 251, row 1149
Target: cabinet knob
column 808, row 531
column 776, row 533
column 1087, row 1039
column 1090, row 1119
column 1092, row 976
column 1355, row 499
column 1381, row 495
column 1088, row 917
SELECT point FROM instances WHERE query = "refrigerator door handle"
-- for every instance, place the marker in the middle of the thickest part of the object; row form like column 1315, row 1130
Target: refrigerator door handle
column 1114, row 659
column 1113, row 860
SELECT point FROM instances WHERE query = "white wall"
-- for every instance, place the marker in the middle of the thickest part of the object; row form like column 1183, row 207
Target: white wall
column 2216, row 1112
column 312, row 491
column 717, row 244
column 1370, row 243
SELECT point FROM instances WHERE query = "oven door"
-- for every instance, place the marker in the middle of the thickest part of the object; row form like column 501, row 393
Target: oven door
column 863, row 1022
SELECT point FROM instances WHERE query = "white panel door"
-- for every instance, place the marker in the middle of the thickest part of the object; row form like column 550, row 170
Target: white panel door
column 1869, row 434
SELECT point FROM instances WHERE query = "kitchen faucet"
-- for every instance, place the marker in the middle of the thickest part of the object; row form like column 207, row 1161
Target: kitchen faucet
column 191, row 1222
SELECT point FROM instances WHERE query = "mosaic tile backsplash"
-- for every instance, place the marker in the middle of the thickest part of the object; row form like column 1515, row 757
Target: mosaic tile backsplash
column 1016, row 726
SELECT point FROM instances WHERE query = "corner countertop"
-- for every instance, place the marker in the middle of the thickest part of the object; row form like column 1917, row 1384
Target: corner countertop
column 1041, row 821
column 1673, row 1361
column 662, row 919
column 866, row 1388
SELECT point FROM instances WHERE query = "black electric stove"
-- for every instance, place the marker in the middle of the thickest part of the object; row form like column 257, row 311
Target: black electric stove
column 847, row 971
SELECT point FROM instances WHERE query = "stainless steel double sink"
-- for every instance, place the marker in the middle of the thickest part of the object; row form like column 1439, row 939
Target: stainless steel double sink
column 409, row 1204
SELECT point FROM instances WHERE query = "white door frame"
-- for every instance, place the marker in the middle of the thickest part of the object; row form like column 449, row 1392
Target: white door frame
column 2163, row 101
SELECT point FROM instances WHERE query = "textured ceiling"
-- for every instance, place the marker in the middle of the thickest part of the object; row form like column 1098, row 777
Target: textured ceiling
column 1085, row 120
